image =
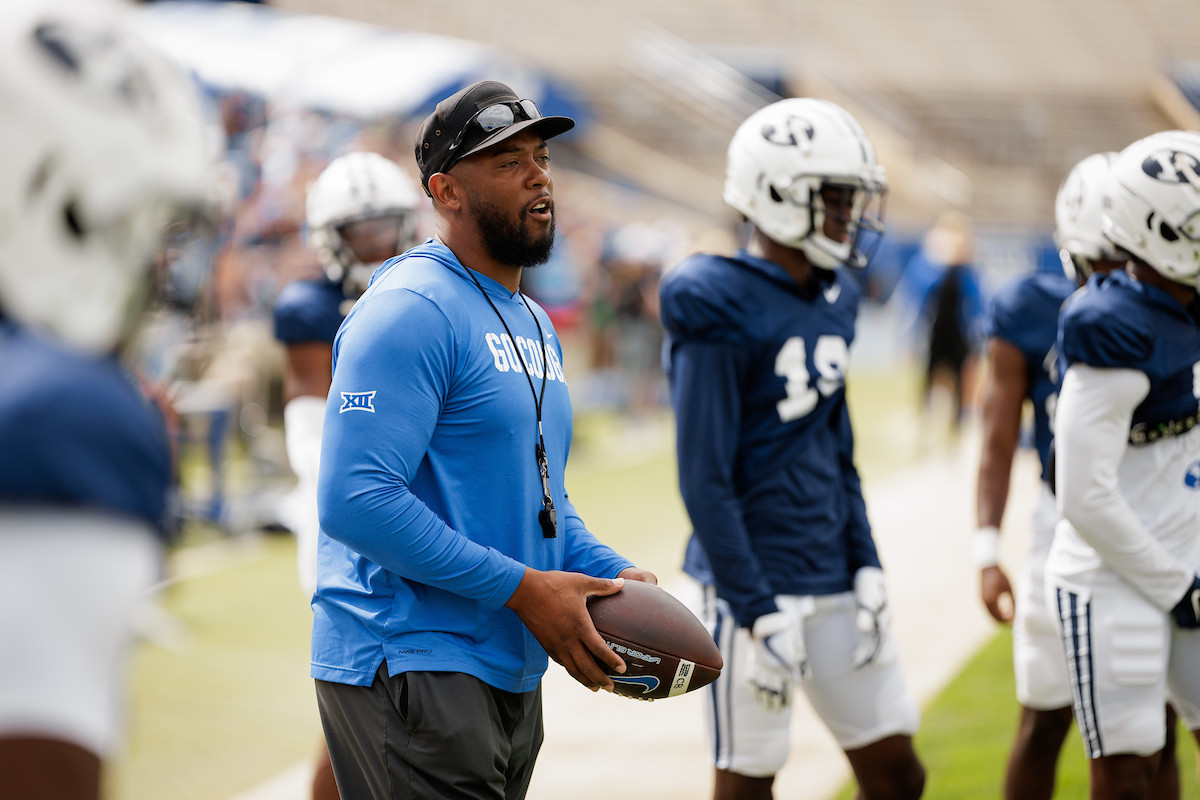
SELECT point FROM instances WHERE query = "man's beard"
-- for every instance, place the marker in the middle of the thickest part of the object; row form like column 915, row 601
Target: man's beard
column 507, row 241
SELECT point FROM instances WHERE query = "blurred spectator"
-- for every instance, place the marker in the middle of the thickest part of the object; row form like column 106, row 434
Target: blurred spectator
column 942, row 290
column 556, row 285
column 633, row 263
column 175, row 345
column 597, row 302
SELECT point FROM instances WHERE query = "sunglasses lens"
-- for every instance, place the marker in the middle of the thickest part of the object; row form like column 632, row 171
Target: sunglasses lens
column 501, row 115
column 495, row 117
column 531, row 111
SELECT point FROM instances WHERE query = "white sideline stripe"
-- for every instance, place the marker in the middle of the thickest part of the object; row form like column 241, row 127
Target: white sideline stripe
column 294, row 783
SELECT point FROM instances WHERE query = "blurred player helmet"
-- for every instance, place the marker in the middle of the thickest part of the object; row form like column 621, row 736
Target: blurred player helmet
column 1077, row 217
column 779, row 160
column 352, row 189
column 1152, row 209
column 102, row 143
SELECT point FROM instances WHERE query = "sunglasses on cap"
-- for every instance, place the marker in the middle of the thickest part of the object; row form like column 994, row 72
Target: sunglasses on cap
column 490, row 119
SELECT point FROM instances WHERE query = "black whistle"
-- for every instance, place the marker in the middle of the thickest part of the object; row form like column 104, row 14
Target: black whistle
column 548, row 519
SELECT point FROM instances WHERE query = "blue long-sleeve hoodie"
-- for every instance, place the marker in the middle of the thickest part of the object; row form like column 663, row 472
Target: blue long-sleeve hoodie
column 429, row 489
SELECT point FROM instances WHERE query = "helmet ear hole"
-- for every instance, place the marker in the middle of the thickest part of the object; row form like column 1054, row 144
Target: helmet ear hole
column 775, row 195
column 1167, row 232
column 71, row 219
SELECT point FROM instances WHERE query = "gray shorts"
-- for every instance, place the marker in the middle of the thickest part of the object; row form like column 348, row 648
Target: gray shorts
column 430, row 736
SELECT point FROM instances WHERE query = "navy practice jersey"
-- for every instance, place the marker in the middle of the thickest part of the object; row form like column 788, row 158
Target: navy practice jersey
column 1118, row 322
column 1024, row 313
column 756, row 365
column 309, row 311
column 76, row 432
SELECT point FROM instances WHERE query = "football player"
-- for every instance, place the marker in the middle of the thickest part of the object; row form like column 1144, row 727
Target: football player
column 102, row 143
column 1121, row 574
column 361, row 210
column 756, row 359
column 1021, row 352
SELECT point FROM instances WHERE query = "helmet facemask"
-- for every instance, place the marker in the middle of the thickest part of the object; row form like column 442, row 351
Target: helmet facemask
column 352, row 251
column 828, row 204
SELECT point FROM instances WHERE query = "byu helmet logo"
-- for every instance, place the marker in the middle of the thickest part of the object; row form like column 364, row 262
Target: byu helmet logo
column 797, row 129
column 1173, row 166
column 1073, row 197
column 1192, row 478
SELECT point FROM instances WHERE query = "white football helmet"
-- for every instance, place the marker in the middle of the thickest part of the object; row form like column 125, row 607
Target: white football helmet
column 352, row 188
column 1152, row 209
column 1077, row 217
column 781, row 157
column 102, row 141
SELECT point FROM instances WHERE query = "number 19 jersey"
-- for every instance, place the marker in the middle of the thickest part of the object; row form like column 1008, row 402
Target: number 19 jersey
column 757, row 365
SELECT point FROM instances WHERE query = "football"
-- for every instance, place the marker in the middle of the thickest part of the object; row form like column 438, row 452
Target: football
column 666, row 649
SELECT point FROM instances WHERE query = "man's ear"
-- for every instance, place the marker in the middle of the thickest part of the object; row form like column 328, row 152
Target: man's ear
column 446, row 191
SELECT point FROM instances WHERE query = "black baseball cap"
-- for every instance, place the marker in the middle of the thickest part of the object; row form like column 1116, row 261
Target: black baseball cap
column 475, row 118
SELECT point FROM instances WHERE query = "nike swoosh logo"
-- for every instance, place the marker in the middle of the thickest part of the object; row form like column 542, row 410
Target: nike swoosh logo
column 648, row 682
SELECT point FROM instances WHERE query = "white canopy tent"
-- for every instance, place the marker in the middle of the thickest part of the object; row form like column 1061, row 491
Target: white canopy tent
column 331, row 64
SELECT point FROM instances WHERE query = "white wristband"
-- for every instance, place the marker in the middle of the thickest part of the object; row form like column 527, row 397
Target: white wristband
column 986, row 547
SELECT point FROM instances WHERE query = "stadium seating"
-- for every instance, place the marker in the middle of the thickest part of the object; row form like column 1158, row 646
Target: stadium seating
column 1006, row 95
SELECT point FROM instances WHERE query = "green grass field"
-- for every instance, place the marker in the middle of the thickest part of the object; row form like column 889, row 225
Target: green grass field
column 967, row 730
column 229, row 703
column 223, row 701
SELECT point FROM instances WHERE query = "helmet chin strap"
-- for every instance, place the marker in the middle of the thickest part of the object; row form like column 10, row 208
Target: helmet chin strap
column 824, row 256
column 821, row 252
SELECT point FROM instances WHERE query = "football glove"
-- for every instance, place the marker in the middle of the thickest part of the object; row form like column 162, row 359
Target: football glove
column 777, row 659
column 1187, row 611
column 872, row 615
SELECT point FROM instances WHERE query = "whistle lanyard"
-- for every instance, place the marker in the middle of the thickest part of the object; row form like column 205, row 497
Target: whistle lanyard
column 548, row 516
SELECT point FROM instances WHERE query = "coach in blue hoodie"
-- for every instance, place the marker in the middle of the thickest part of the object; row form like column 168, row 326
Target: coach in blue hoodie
column 451, row 561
